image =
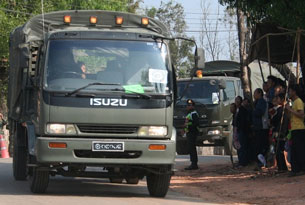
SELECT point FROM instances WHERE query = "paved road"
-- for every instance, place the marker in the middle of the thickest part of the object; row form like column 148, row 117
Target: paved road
column 89, row 191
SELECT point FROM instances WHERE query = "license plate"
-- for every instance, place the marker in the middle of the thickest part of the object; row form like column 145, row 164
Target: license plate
column 108, row 146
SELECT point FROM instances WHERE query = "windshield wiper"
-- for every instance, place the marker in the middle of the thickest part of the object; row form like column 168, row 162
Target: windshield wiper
column 129, row 92
column 90, row 84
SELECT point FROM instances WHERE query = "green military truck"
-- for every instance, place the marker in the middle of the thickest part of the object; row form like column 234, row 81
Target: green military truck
column 91, row 94
column 213, row 93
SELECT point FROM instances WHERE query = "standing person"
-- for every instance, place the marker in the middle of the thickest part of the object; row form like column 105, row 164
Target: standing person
column 280, row 124
column 192, row 130
column 297, row 131
column 242, row 132
column 251, row 142
column 235, row 142
column 260, row 125
column 271, row 83
column 266, row 90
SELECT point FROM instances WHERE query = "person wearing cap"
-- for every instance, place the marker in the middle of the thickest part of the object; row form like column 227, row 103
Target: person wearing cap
column 192, row 130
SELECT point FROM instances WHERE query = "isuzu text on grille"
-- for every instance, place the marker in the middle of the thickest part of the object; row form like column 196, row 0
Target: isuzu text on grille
column 108, row 102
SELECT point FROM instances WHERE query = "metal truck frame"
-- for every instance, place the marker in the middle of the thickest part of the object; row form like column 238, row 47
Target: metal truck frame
column 68, row 125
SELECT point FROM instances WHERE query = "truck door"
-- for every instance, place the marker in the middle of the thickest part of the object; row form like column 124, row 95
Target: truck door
column 229, row 94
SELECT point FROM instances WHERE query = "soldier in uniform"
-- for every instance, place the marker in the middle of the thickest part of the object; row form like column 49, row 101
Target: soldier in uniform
column 192, row 130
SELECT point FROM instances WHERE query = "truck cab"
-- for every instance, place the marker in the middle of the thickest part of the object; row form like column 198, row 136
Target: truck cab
column 212, row 93
column 92, row 89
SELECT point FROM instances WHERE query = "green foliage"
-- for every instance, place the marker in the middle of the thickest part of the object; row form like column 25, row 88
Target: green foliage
column 286, row 13
column 172, row 15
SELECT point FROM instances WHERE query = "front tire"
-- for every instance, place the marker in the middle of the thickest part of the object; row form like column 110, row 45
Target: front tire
column 158, row 184
column 20, row 163
column 19, row 154
column 39, row 181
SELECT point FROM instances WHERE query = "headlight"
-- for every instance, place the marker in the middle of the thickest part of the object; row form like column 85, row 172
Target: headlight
column 152, row 131
column 213, row 132
column 61, row 129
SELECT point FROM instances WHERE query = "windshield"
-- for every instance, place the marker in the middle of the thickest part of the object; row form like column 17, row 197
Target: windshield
column 205, row 91
column 134, row 65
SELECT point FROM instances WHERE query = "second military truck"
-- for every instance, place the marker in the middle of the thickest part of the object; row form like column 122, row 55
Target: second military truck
column 213, row 93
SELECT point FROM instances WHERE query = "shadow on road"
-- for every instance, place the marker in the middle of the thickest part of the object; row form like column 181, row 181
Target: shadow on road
column 82, row 187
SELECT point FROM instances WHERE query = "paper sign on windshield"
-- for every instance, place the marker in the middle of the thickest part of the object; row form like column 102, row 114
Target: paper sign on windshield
column 157, row 76
column 215, row 98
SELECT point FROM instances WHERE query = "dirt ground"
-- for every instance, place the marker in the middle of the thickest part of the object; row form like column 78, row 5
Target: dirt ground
column 222, row 184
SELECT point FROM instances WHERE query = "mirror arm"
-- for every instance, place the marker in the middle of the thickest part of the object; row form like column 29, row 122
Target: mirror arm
column 196, row 57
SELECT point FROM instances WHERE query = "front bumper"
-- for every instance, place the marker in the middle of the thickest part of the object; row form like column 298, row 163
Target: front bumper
column 46, row 155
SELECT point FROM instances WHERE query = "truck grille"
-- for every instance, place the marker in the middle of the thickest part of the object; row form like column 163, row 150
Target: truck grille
column 107, row 129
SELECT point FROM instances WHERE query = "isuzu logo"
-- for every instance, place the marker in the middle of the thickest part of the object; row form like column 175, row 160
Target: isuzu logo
column 108, row 102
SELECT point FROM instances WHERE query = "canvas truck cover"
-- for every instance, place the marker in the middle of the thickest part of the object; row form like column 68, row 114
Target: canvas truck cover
column 281, row 44
column 39, row 27
column 33, row 29
column 232, row 68
column 221, row 67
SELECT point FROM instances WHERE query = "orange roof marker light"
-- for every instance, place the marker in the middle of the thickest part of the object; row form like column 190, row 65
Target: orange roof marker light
column 119, row 20
column 199, row 73
column 93, row 20
column 67, row 19
column 145, row 21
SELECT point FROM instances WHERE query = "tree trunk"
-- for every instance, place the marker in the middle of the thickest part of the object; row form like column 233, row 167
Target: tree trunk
column 285, row 71
column 242, row 30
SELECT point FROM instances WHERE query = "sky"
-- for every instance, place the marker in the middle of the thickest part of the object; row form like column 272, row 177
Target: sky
column 193, row 16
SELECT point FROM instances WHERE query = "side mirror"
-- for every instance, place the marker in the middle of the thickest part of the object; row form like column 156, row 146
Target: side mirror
column 222, row 84
column 199, row 59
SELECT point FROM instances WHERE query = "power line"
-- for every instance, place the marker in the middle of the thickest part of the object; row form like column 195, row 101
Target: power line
column 207, row 21
column 201, row 13
column 212, row 31
column 202, row 18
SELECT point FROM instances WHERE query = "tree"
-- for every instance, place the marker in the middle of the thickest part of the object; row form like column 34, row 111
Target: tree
column 272, row 11
column 209, row 32
column 242, row 36
column 244, row 41
column 172, row 15
column 289, row 14
column 232, row 41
